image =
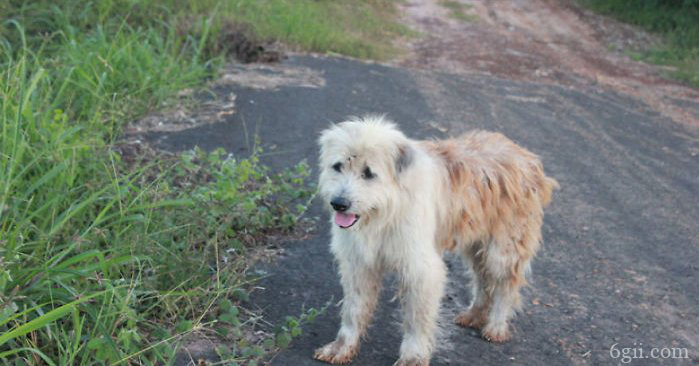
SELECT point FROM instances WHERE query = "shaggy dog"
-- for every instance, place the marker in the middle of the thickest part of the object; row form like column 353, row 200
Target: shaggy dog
column 400, row 203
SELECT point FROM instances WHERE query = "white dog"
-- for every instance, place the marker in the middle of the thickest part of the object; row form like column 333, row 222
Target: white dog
column 399, row 204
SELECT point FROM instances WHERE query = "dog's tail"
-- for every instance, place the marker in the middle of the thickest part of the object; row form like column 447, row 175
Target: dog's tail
column 546, row 193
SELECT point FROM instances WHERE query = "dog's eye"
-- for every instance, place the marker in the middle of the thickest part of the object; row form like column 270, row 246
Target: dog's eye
column 367, row 173
column 337, row 167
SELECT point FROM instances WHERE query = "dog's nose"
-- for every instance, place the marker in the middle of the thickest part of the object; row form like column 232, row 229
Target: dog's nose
column 340, row 204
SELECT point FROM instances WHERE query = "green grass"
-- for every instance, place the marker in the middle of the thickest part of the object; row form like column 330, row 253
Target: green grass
column 363, row 28
column 458, row 10
column 677, row 21
column 104, row 262
column 356, row 28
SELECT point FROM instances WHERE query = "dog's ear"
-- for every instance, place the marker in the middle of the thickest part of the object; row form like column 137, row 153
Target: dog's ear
column 326, row 136
column 404, row 158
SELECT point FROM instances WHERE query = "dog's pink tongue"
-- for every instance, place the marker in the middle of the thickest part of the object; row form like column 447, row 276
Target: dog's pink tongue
column 344, row 219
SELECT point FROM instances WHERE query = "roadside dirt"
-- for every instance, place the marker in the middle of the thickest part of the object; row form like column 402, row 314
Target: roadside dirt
column 550, row 41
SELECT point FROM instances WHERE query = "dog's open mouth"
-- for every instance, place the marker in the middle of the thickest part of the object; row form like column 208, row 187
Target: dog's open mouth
column 345, row 220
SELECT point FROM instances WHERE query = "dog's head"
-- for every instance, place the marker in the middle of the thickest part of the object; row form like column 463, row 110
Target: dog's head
column 361, row 161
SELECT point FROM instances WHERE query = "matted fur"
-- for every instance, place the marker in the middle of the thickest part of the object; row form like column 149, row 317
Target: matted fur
column 479, row 195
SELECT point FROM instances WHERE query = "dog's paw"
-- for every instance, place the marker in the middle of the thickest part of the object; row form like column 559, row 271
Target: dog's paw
column 413, row 362
column 336, row 353
column 470, row 319
column 497, row 334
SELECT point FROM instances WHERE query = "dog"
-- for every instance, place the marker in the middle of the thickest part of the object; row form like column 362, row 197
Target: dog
column 398, row 204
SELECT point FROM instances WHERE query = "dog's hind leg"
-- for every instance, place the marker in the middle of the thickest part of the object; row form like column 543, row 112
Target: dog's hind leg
column 422, row 286
column 476, row 314
column 505, row 273
column 361, row 284
column 505, row 301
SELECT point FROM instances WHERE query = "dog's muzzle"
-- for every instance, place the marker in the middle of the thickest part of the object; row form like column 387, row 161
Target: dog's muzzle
column 343, row 218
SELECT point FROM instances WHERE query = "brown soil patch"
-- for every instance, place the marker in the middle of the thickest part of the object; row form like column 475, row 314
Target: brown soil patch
column 551, row 41
column 240, row 42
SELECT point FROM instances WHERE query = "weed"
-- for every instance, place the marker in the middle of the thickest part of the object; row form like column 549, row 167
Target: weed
column 284, row 333
column 458, row 10
column 676, row 21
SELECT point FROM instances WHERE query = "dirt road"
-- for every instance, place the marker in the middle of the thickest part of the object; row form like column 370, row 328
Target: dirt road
column 545, row 41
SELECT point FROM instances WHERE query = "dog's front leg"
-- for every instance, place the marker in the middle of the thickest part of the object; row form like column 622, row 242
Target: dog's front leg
column 361, row 284
column 423, row 280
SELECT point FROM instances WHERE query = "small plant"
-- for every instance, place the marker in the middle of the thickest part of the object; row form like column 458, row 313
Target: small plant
column 459, row 10
column 240, row 195
column 249, row 354
column 292, row 326
column 675, row 21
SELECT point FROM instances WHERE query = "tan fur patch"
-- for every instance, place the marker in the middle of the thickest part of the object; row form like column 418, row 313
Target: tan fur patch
column 497, row 194
column 498, row 189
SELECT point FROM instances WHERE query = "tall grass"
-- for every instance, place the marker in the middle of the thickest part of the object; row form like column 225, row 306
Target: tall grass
column 677, row 21
column 103, row 262
column 361, row 29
